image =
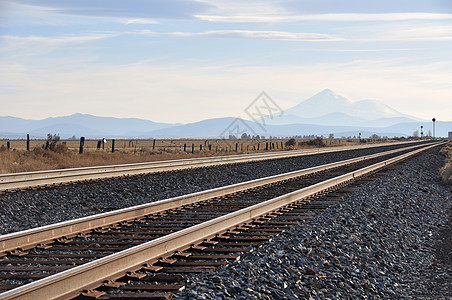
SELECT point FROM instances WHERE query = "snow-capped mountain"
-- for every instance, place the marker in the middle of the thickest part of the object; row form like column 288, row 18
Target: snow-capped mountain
column 328, row 102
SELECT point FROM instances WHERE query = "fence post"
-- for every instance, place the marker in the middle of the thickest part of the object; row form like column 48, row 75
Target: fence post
column 210, row 147
column 82, row 143
column 98, row 144
column 112, row 145
column 153, row 145
column 236, row 147
column 28, row 142
column 200, row 147
column 266, row 146
column 192, row 148
column 185, row 147
column 8, row 145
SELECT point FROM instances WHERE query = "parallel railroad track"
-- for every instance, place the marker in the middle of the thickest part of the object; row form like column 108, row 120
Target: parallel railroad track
column 162, row 239
column 25, row 180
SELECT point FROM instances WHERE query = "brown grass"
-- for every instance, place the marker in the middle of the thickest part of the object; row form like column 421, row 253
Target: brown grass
column 62, row 157
column 23, row 161
column 446, row 171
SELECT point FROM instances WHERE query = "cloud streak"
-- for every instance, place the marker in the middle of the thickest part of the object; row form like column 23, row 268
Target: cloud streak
column 57, row 40
column 407, row 31
column 37, row 45
column 133, row 9
column 262, row 34
column 344, row 17
column 139, row 21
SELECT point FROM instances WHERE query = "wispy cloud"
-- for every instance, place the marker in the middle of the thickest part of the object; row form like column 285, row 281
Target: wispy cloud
column 406, row 31
column 262, row 34
column 33, row 45
column 57, row 40
column 326, row 17
column 250, row 34
column 370, row 50
column 384, row 32
column 133, row 9
column 139, row 21
column 36, row 45
column 414, row 32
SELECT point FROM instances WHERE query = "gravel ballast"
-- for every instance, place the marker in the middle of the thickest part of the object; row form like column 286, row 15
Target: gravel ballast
column 389, row 239
column 28, row 209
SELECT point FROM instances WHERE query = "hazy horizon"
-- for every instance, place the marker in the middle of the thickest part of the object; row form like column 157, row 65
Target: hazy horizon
column 185, row 61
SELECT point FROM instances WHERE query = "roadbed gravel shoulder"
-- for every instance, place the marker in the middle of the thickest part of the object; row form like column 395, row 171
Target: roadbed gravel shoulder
column 391, row 239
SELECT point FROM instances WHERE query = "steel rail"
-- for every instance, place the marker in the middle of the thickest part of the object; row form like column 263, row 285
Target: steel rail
column 67, row 282
column 30, row 238
column 13, row 181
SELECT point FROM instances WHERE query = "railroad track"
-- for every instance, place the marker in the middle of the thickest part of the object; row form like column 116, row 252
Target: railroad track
column 17, row 181
column 164, row 239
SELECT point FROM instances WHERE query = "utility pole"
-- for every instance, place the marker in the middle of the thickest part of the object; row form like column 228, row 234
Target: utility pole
column 433, row 120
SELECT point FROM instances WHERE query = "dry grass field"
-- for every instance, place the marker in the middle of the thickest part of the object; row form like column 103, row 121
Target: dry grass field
column 65, row 155
column 174, row 145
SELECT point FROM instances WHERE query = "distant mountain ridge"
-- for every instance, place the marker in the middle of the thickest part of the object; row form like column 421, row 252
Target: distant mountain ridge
column 321, row 114
column 79, row 125
column 215, row 128
column 339, row 119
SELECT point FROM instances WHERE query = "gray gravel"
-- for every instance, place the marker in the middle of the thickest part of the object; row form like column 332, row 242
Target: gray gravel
column 29, row 209
column 380, row 242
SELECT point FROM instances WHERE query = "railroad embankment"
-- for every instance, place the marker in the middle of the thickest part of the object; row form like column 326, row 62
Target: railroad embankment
column 28, row 209
column 388, row 240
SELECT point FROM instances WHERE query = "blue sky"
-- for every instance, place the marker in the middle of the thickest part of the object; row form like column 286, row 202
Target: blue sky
column 183, row 61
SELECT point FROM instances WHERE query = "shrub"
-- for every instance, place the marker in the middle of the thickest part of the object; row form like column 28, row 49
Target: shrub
column 446, row 171
column 38, row 150
column 60, row 148
column 52, row 141
column 318, row 141
column 290, row 143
